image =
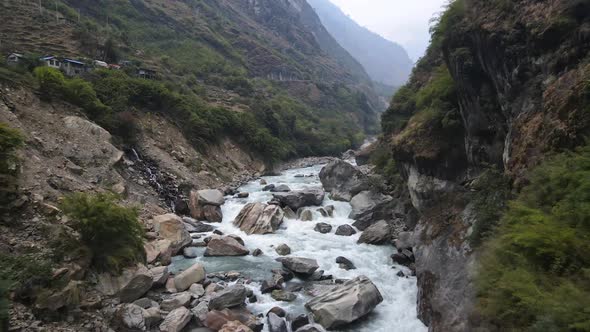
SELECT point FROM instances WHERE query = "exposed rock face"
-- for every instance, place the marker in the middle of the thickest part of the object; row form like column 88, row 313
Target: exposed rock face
column 229, row 297
column 171, row 228
column 205, row 204
column 378, row 233
column 225, row 246
column 345, row 303
column 259, row 218
column 186, row 278
column 343, row 180
column 369, row 207
column 176, row 320
column 300, row 265
column 299, row 199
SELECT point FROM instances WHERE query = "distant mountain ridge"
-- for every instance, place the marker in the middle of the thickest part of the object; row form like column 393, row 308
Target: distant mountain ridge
column 385, row 61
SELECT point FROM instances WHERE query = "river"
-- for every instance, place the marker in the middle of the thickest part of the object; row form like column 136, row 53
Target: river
column 397, row 312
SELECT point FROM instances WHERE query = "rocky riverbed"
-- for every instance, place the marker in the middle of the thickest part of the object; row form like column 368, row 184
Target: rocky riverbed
column 279, row 254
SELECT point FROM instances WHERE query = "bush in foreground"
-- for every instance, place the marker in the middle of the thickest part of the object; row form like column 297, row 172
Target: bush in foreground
column 535, row 273
column 112, row 232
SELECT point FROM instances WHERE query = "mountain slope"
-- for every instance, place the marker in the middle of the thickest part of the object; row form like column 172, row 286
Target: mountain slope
column 385, row 61
column 271, row 59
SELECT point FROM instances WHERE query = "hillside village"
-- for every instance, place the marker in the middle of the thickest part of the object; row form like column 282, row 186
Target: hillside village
column 72, row 67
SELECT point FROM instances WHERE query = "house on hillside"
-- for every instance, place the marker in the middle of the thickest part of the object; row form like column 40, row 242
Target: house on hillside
column 73, row 67
column 146, row 73
column 51, row 61
column 14, row 58
column 100, row 64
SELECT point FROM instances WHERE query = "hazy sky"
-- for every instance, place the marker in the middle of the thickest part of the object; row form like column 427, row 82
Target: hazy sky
column 402, row 21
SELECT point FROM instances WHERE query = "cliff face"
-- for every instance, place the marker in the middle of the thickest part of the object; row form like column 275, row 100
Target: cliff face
column 517, row 90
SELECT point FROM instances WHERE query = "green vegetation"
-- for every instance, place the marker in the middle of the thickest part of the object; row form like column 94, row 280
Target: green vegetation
column 10, row 141
column 111, row 232
column 492, row 191
column 445, row 24
column 385, row 164
column 535, row 273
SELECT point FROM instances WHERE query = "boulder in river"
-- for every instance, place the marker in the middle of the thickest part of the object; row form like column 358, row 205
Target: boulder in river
column 345, row 263
column 369, row 207
column 299, row 265
column 311, row 328
column 268, row 187
column 345, row 303
column 186, row 278
column 323, row 228
column 205, row 204
column 378, row 233
column 345, row 230
column 282, row 188
column 225, row 246
column 259, row 218
column 306, row 215
column 281, row 295
column 276, row 323
column 343, row 180
column 283, row 249
column 301, row 198
column 171, row 228
column 229, row 297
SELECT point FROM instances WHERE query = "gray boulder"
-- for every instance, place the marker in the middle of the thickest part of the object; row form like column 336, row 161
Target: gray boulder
column 282, row 188
column 345, row 230
column 330, row 209
column 283, row 249
column 140, row 283
column 268, row 187
column 345, row 303
column 289, row 213
column 311, row 328
column 306, row 215
column 369, row 207
column 229, row 297
column 378, row 233
column 190, row 252
column 176, row 301
column 225, row 246
column 196, row 226
column 299, row 199
column 345, row 263
column 281, row 295
column 130, row 317
column 186, row 278
column 259, row 218
column 176, row 320
column 170, row 227
column 210, row 197
column 276, row 323
column 159, row 275
column 323, row 228
column 299, row 265
column 205, row 204
column 343, row 180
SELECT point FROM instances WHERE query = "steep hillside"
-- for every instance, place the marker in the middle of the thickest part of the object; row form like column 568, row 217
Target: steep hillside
column 503, row 86
column 271, row 59
column 386, row 62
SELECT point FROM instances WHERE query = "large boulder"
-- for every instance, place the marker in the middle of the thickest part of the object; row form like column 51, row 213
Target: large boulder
column 368, row 207
column 299, row 265
column 229, row 297
column 298, row 199
column 235, row 326
column 216, row 319
column 282, row 188
column 323, row 228
column 378, row 233
column 259, row 218
column 343, row 180
column 130, row 317
column 345, row 303
column 345, row 230
column 176, row 301
column 205, row 204
column 171, row 228
column 225, row 246
column 176, row 320
column 186, row 278
column 129, row 286
column 276, row 323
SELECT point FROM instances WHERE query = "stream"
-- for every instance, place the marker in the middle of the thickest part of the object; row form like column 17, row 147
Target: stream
column 397, row 312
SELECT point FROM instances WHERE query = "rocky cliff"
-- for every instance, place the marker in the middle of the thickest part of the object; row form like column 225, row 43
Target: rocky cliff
column 503, row 85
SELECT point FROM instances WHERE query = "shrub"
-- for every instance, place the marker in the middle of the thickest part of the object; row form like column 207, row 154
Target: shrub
column 51, row 81
column 23, row 274
column 535, row 273
column 10, row 140
column 112, row 232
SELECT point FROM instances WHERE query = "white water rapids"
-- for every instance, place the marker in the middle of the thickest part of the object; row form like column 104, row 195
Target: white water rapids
column 397, row 312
